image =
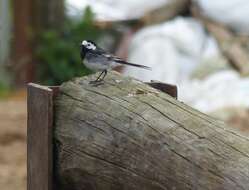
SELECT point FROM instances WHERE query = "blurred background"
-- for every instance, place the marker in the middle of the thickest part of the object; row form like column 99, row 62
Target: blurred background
column 201, row 46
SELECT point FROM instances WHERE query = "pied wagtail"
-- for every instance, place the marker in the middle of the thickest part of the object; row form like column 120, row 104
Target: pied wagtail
column 97, row 59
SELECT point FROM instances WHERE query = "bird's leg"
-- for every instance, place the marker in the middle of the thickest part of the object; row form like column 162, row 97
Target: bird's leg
column 105, row 72
column 98, row 79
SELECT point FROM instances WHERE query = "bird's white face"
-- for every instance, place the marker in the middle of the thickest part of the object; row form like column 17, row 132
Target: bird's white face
column 88, row 45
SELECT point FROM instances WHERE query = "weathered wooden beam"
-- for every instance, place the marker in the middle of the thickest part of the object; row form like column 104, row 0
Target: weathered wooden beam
column 123, row 134
column 163, row 13
column 230, row 45
column 166, row 12
column 39, row 138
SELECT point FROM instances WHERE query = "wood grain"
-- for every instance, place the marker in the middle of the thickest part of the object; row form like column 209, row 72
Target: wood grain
column 125, row 135
column 39, row 140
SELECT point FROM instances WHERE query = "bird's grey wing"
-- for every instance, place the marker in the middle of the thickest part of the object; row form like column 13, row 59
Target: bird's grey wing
column 110, row 57
column 100, row 58
column 118, row 61
column 98, row 61
column 114, row 61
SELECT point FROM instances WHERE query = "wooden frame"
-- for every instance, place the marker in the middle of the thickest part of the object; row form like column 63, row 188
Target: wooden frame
column 40, row 129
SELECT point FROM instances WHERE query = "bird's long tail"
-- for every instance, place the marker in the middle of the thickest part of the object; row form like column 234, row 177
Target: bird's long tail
column 132, row 64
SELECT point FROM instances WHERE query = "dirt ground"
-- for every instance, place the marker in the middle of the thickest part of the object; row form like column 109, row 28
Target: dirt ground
column 13, row 144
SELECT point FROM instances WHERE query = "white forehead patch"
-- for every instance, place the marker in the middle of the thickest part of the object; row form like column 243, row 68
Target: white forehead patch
column 88, row 45
column 84, row 42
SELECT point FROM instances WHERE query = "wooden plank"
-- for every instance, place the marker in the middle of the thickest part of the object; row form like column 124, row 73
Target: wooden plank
column 39, row 140
column 56, row 92
column 166, row 88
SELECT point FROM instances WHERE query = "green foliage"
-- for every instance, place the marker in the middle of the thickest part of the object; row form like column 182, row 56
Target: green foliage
column 59, row 53
column 4, row 90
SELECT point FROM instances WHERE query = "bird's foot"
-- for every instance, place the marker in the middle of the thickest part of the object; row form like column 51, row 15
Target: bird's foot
column 96, row 82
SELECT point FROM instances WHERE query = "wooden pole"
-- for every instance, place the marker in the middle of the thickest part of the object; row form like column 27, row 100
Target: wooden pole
column 22, row 48
column 5, row 35
column 32, row 17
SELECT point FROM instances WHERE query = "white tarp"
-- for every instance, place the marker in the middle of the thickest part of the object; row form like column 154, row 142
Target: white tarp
column 173, row 50
column 178, row 51
column 224, row 89
column 115, row 9
column 233, row 13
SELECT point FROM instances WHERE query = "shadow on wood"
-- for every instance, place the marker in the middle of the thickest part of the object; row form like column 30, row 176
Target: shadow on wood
column 123, row 134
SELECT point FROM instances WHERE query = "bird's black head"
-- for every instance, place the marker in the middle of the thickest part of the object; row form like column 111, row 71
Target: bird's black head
column 86, row 46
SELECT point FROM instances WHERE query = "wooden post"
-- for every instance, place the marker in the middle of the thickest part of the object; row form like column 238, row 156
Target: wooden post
column 40, row 134
column 39, row 140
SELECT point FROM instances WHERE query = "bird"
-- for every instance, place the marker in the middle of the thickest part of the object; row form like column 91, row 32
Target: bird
column 97, row 59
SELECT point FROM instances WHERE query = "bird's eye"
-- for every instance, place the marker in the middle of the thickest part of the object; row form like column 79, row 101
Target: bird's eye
column 90, row 46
